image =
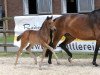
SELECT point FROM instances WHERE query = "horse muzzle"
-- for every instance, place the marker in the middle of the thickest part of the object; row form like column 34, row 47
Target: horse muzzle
column 54, row 29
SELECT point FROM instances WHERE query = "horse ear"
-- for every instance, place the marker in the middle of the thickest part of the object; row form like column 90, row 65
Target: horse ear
column 51, row 17
column 48, row 17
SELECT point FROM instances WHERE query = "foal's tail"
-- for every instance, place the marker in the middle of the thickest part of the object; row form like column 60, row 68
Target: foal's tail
column 26, row 34
column 19, row 37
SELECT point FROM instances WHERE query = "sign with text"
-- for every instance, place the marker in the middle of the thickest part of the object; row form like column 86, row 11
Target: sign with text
column 81, row 45
column 23, row 23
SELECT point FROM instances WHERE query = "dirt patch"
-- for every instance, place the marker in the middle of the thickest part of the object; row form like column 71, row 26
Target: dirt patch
column 26, row 66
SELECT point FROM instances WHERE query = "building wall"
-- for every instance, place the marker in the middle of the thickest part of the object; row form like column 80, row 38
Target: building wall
column 15, row 8
column 0, row 2
column 56, row 6
column 97, row 4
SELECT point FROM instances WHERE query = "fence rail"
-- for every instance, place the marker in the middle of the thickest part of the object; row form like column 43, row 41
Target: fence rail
column 7, row 45
column 5, row 31
column 6, row 18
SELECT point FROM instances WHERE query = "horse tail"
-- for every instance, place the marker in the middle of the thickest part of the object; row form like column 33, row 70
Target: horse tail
column 19, row 37
column 26, row 33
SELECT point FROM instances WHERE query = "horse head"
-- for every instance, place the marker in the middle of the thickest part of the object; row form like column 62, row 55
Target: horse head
column 50, row 23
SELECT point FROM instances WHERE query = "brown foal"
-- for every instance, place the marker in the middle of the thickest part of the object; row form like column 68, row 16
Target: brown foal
column 42, row 36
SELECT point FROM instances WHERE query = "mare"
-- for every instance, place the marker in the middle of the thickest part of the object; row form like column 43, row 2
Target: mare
column 42, row 36
column 81, row 26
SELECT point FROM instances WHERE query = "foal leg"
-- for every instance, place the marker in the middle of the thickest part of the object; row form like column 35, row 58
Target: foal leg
column 23, row 44
column 31, row 54
column 52, row 50
column 18, row 54
column 43, row 55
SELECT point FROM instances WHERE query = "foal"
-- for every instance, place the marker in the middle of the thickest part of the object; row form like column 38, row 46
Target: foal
column 41, row 36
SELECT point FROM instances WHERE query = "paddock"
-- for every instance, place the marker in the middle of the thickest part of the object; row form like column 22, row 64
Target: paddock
column 26, row 66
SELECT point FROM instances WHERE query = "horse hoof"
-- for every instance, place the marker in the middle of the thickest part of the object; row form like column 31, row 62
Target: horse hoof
column 94, row 63
column 35, row 63
column 69, row 59
column 49, row 62
column 15, row 64
column 50, row 65
column 40, row 68
column 58, row 63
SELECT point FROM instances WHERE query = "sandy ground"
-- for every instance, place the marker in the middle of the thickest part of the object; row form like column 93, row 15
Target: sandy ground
column 26, row 66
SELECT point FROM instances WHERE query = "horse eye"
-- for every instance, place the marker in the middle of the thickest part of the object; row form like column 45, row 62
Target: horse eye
column 49, row 22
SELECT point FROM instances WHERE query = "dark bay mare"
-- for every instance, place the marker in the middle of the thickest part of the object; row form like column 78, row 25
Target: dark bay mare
column 42, row 36
column 81, row 26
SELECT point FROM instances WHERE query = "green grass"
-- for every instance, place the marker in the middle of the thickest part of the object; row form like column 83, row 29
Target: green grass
column 76, row 55
column 10, row 39
column 8, row 54
column 61, row 55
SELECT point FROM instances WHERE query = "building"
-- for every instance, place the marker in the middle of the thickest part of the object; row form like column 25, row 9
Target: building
column 11, row 8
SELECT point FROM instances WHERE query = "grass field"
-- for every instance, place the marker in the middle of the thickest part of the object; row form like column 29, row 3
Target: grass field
column 10, row 39
column 61, row 55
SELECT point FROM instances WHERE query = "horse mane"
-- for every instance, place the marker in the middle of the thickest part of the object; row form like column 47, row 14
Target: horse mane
column 45, row 22
column 56, row 19
column 94, row 16
column 97, row 10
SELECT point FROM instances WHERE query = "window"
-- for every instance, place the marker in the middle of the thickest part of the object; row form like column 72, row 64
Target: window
column 64, row 6
column 32, row 4
column 77, row 6
column 71, row 6
column 85, row 5
column 25, row 7
column 44, row 6
column 37, row 6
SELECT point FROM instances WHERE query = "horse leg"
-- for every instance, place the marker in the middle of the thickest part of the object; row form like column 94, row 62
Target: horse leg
column 49, row 53
column 31, row 54
column 49, row 56
column 67, row 40
column 43, row 55
column 52, row 50
column 55, row 41
column 18, row 54
column 23, row 44
column 95, row 55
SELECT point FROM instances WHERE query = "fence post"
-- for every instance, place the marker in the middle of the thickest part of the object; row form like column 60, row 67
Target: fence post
column 5, row 37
